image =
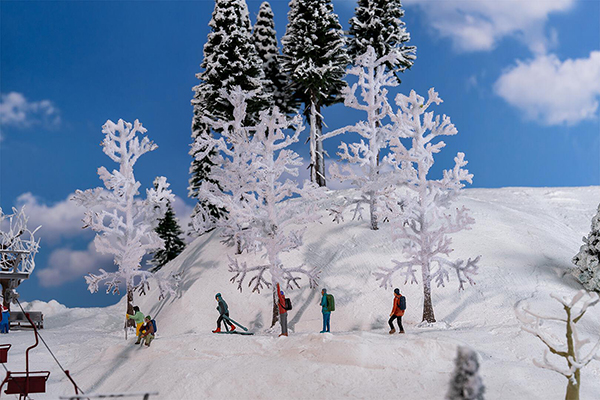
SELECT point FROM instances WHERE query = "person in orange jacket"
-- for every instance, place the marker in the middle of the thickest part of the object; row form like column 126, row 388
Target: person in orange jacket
column 282, row 312
column 397, row 313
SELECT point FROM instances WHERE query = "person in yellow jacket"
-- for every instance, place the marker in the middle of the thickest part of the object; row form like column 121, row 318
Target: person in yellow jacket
column 138, row 317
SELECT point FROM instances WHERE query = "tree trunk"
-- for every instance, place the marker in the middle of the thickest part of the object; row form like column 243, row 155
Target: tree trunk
column 573, row 388
column 275, row 307
column 316, row 144
column 428, row 315
column 130, row 322
column 373, row 210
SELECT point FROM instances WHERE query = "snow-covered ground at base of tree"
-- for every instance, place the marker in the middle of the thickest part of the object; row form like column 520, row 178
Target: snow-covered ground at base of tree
column 526, row 236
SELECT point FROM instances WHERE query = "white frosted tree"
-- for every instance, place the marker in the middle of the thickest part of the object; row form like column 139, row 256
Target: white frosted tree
column 234, row 161
column 428, row 219
column 576, row 351
column 124, row 222
column 466, row 384
column 18, row 248
column 587, row 261
column 376, row 184
column 272, row 210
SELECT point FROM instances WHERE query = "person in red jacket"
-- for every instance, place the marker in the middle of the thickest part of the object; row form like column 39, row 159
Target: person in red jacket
column 397, row 313
column 282, row 312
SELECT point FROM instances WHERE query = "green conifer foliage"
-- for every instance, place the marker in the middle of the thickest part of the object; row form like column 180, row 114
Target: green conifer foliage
column 315, row 59
column 170, row 232
column 587, row 261
column 377, row 23
column 230, row 59
column 264, row 37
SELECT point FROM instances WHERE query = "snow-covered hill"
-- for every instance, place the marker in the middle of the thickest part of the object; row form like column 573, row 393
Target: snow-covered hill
column 526, row 236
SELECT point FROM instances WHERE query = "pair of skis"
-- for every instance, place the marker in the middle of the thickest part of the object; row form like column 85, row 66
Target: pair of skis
column 226, row 318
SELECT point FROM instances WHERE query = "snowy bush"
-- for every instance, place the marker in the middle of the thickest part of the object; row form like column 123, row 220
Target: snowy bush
column 587, row 261
column 376, row 184
column 466, row 384
column 18, row 247
column 572, row 351
column 125, row 224
column 428, row 217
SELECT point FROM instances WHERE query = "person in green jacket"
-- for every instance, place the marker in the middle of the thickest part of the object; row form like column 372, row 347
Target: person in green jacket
column 138, row 317
column 325, row 311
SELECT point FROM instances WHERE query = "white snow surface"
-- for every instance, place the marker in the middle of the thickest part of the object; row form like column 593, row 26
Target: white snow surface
column 526, row 236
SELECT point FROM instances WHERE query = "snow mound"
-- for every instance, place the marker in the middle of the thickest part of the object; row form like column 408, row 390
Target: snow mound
column 526, row 237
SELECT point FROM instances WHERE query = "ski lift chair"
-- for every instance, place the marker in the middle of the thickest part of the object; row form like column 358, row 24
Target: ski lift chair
column 4, row 353
column 24, row 383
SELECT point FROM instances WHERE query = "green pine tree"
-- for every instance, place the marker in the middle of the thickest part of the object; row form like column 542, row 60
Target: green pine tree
column 264, row 37
column 315, row 59
column 170, row 232
column 377, row 23
column 230, row 59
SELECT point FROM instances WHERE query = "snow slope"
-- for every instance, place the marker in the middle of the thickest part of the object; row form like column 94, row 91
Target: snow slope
column 526, row 236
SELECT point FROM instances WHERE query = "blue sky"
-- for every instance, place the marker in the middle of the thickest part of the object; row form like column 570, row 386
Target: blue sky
column 520, row 80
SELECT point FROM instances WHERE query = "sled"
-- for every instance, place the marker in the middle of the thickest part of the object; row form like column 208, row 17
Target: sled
column 226, row 318
column 236, row 333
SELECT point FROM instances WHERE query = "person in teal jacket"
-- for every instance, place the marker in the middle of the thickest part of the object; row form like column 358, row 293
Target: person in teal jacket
column 223, row 311
column 138, row 318
column 325, row 311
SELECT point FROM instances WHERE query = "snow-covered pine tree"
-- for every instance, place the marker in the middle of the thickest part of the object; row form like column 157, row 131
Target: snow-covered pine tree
column 376, row 185
column 587, row 261
column 18, row 248
column 378, row 23
column 466, row 384
column 125, row 223
column 170, row 232
column 315, row 59
column 427, row 219
column 230, row 59
column 270, row 214
column 265, row 41
column 572, row 351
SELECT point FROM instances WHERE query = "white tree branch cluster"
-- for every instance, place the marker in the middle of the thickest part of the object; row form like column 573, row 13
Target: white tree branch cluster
column 125, row 223
column 264, row 213
column 572, row 351
column 375, row 182
column 17, row 238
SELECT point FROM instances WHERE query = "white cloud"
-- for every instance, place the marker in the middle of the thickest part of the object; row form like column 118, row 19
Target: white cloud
column 60, row 220
column 66, row 265
column 479, row 25
column 551, row 91
column 17, row 111
column 183, row 211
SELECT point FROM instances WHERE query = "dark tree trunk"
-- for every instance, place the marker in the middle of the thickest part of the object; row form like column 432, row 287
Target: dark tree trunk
column 130, row 322
column 320, row 154
column 428, row 315
column 275, row 307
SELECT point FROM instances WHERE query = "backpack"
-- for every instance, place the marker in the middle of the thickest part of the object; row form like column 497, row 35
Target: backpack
column 288, row 304
column 330, row 302
column 402, row 303
column 154, row 325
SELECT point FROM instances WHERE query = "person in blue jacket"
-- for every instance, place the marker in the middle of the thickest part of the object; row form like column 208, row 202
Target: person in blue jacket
column 5, row 324
column 325, row 311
